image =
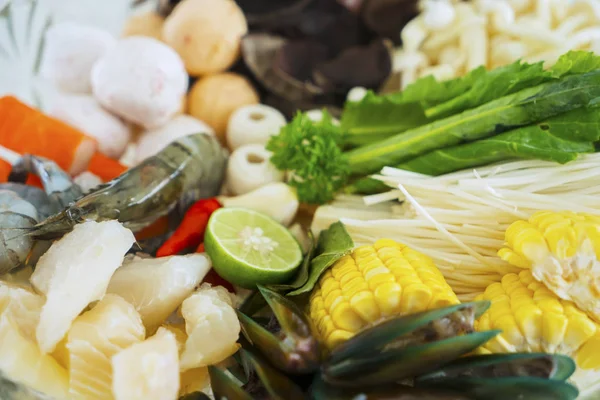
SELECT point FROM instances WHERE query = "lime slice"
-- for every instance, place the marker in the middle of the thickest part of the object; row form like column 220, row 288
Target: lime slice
column 249, row 248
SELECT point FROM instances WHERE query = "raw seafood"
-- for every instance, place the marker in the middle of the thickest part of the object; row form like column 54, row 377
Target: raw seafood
column 206, row 34
column 26, row 130
column 76, row 271
column 22, row 361
column 212, row 327
column 59, row 187
column 22, row 305
column 144, row 24
column 16, row 214
column 153, row 141
column 85, row 113
column 71, row 50
column 187, row 169
column 156, row 287
column 95, row 336
column 141, row 80
column 214, row 98
column 147, row 370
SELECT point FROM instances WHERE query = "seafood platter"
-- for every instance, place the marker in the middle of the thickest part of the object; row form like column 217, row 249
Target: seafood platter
column 304, row 199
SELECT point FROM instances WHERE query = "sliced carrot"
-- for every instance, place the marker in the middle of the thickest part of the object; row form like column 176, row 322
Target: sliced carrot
column 26, row 130
column 104, row 167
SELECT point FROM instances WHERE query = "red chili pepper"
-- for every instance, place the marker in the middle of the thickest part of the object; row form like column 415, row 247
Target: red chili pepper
column 191, row 230
column 200, row 248
column 215, row 279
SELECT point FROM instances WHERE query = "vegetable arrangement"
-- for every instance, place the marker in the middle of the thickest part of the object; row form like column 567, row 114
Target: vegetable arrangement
column 444, row 283
column 512, row 112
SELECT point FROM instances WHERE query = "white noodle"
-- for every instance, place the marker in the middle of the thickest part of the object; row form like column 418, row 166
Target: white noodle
column 459, row 219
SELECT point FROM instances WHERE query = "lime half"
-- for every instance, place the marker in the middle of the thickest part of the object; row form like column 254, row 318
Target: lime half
column 249, row 248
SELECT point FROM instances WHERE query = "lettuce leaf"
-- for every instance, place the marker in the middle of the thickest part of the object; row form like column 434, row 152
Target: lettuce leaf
column 377, row 117
column 526, row 107
column 560, row 139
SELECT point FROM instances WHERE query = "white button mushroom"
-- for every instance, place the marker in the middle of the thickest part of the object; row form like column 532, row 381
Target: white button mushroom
column 85, row 113
column 70, row 53
column 141, row 80
column 253, row 124
column 249, row 168
column 153, row 141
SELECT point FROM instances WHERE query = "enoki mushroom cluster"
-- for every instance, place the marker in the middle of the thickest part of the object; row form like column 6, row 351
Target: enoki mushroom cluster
column 451, row 37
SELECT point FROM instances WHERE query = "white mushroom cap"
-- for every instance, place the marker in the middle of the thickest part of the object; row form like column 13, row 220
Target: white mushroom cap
column 70, row 53
column 253, row 124
column 86, row 114
column 153, row 141
column 141, row 80
column 249, row 168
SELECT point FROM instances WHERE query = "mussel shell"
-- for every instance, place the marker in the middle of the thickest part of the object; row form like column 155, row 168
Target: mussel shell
column 294, row 348
column 260, row 52
column 195, row 396
column 389, row 331
column 11, row 390
column 536, row 365
column 526, row 388
column 224, row 387
column 277, row 384
column 393, row 365
column 321, row 390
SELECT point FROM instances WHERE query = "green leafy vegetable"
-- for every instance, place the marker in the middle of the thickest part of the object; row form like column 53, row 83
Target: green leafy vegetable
column 519, row 109
column 427, row 99
column 575, row 62
column 312, row 151
column 402, row 127
column 542, row 141
column 334, row 243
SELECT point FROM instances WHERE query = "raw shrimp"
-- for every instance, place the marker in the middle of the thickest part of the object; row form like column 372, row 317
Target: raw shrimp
column 189, row 168
column 23, row 206
column 57, row 183
column 34, row 195
column 15, row 213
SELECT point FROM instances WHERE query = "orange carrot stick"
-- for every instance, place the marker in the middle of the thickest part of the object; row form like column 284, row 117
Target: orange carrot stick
column 104, row 167
column 26, row 130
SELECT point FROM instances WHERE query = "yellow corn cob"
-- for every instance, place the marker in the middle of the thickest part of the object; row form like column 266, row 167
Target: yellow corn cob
column 373, row 283
column 563, row 251
column 533, row 319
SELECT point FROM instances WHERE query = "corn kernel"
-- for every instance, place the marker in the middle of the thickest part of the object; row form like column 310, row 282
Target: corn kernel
column 562, row 251
column 373, row 283
column 533, row 319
